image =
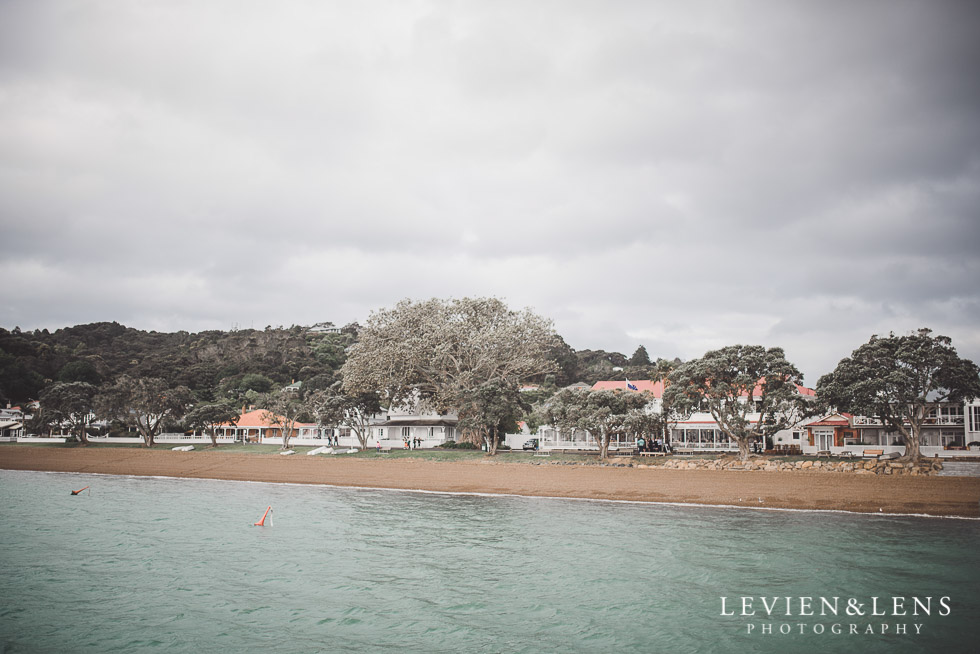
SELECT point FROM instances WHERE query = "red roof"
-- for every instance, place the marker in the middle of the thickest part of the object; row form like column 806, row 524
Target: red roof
column 259, row 418
column 833, row 420
column 657, row 387
column 642, row 385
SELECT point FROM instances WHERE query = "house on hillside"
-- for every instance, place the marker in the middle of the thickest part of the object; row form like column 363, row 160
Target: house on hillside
column 323, row 328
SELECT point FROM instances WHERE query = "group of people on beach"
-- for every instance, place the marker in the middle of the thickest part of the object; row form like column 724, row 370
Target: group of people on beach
column 653, row 445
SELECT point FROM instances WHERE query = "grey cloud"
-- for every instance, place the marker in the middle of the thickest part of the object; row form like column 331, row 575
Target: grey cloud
column 691, row 174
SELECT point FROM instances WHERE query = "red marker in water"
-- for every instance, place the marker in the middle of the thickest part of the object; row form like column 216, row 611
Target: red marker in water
column 261, row 523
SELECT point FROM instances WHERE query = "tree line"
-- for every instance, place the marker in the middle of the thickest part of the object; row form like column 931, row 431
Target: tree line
column 468, row 356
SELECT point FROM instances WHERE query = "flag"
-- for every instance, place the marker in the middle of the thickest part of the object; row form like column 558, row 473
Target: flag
column 631, row 386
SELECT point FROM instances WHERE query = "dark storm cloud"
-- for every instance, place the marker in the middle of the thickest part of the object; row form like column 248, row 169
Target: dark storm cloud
column 682, row 175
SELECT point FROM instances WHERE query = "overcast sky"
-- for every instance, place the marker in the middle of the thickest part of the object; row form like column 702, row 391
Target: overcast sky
column 681, row 175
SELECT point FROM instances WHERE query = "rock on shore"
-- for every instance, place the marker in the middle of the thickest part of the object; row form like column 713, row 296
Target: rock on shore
column 871, row 467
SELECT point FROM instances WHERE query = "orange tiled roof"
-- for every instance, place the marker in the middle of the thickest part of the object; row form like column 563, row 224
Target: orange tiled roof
column 260, row 418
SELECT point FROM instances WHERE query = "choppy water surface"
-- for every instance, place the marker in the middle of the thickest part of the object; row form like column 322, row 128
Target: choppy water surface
column 175, row 566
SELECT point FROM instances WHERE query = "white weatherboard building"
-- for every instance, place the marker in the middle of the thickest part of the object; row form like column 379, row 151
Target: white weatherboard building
column 401, row 425
column 948, row 432
column 950, row 429
column 11, row 424
column 696, row 433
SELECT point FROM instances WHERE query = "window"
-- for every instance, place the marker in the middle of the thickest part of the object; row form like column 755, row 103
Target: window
column 406, row 432
column 796, row 435
column 381, row 432
column 951, row 414
column 975, row 418
column 450, row 433
column 951, row 437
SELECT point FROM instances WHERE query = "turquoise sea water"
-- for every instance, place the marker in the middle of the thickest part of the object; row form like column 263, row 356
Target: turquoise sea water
column 148, row 564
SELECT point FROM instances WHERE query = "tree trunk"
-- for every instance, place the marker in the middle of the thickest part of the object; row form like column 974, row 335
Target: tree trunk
column 603, row 447
column 214, row 438
column 492, row 443
column 362, row 435
column 912, row 452
column 743, row 448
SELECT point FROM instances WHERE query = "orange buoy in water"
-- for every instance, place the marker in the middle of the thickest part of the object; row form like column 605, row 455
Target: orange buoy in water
column 78, row 491
column 261, row 523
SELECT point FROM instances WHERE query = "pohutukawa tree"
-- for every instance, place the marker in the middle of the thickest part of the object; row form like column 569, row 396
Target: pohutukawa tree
column 283, row 409
column 603, row 414
column 897, row 378
column 490, row 410
column 435, row 352
column 210, row 417
column 70, row 404
column 333, row 407
column 145, row 403
column 734, row 383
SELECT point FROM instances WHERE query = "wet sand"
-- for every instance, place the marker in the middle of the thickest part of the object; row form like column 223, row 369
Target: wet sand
column 939, row 496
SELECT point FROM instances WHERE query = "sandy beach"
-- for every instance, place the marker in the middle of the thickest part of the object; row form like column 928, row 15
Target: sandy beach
column 939, row 496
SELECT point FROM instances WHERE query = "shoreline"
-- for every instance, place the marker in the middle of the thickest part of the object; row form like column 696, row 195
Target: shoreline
column 917, row 496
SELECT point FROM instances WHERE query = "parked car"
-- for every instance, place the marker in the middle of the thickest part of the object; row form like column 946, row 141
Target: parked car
column 531, row 444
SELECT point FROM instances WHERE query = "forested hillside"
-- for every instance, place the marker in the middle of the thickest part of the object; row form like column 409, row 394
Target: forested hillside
column 216, row 364
column 206, row 362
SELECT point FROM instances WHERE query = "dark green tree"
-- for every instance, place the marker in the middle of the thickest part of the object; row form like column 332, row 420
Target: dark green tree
column 333, row 407
column 210, row 416
column 896, row 378
column 735, row 382
column 603, row 414
column 80, row 371
column 284, row 409
column 144, row 403
column 490, row 410
column 640, row 357
column 70, row 404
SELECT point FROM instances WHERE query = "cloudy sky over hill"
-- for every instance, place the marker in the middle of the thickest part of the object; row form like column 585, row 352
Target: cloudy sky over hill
column 679, row 175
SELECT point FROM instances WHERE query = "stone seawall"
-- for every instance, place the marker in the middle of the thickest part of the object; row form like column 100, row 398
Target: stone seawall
column 860, row 467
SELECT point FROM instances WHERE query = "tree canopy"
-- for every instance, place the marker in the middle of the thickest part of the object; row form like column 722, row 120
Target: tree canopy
column 491, row 410
column 734, row 383
column 144, row 403
column 284, row 409
column 71, row 404
column 895, row 379
column 640, row 357
column 435, row 352
column 208, row 417
column 603, row 414
column 334, row 407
